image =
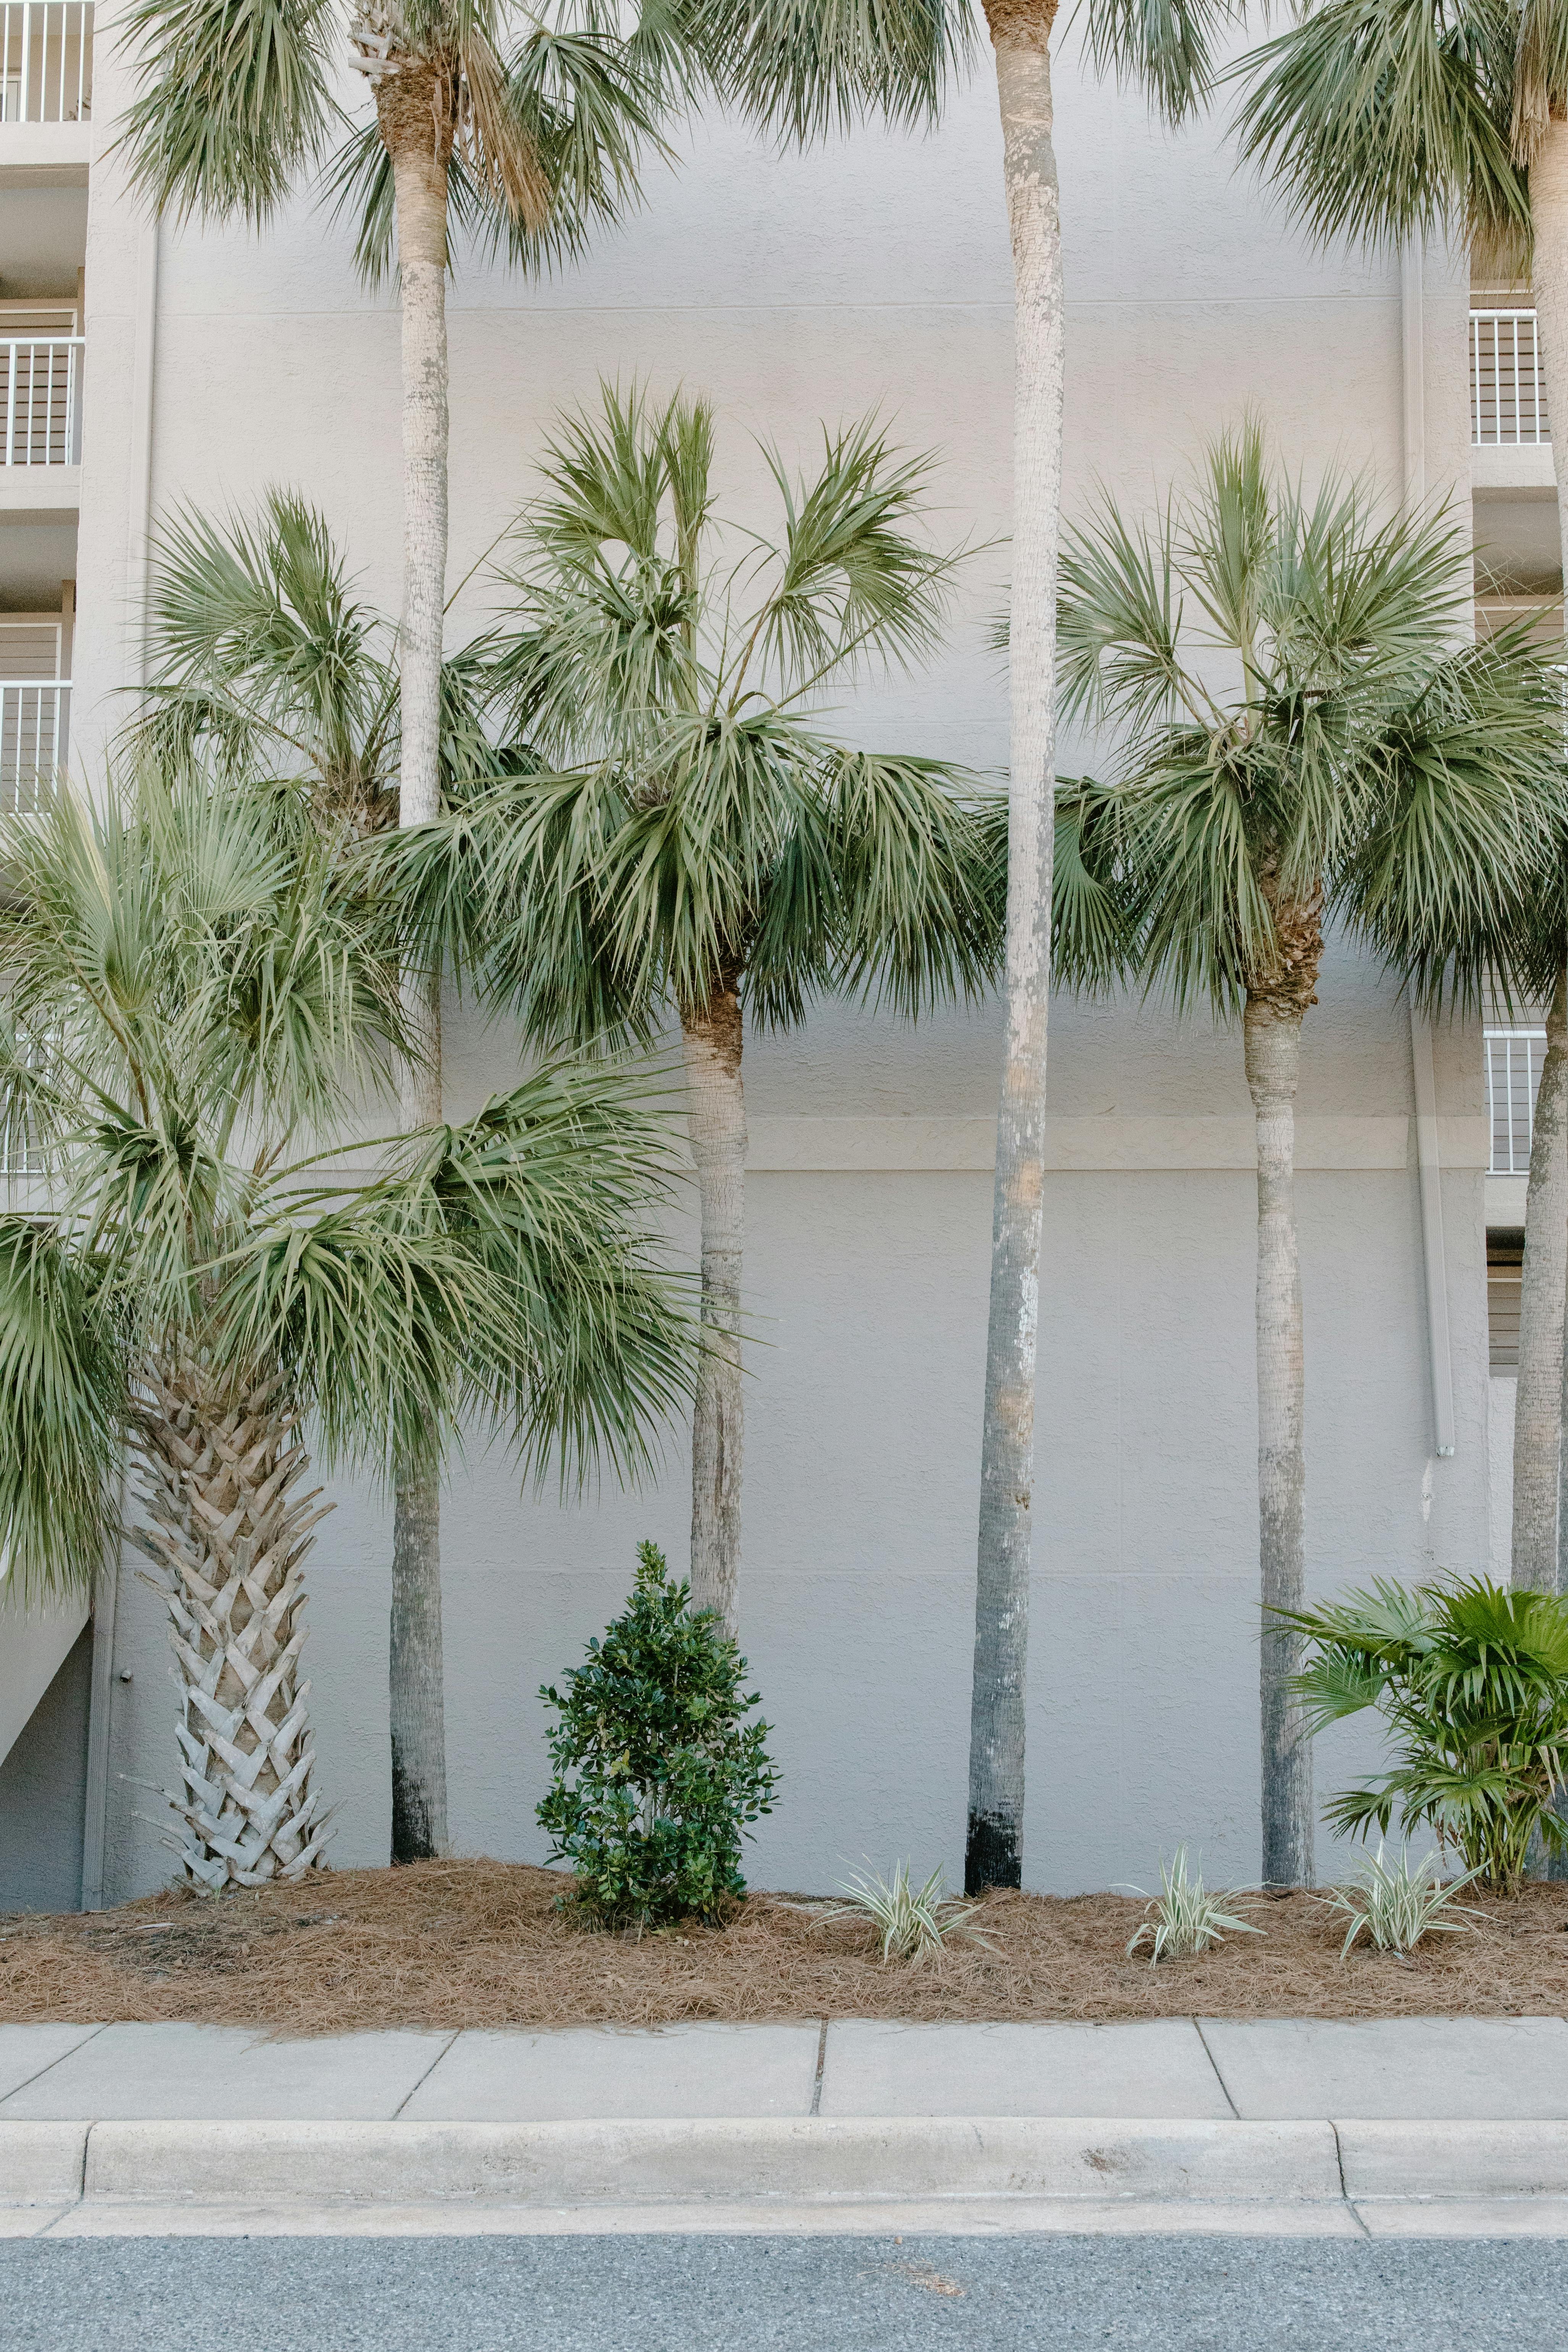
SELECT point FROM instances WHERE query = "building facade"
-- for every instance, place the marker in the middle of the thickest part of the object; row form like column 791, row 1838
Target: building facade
column 150, row 366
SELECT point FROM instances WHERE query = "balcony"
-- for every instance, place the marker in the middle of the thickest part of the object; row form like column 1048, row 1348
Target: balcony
column 40, row 424
column 35, row 710
column 45, row 61
column 1511, row 433
column 45, row 90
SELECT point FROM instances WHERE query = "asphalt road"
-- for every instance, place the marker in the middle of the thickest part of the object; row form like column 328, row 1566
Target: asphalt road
column 799, row 2294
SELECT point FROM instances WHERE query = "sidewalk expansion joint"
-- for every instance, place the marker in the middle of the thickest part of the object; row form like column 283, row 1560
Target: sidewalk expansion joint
column 1214, row 2062
column 91, row 2035
column 821, row 2063
column 424, row 2078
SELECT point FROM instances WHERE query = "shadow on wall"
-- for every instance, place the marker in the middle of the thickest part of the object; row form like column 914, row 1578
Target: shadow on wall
column 43, row 1794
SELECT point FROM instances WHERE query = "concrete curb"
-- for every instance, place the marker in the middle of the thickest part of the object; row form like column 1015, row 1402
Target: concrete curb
column 1468, row 2159
column 726, row 2160
column 800, row 2161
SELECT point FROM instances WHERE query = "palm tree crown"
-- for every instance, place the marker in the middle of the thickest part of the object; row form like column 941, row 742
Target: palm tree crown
column 683, row 834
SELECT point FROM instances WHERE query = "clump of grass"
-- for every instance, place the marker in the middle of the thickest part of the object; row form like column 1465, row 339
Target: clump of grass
column 915, row 1921
column 1396, row 1906
column 1185, row 1919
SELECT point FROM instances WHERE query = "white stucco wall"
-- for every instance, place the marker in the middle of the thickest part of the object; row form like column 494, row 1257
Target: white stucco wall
column 792, row 289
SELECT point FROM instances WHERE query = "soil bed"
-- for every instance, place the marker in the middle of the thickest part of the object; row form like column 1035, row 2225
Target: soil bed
column 482, row 1943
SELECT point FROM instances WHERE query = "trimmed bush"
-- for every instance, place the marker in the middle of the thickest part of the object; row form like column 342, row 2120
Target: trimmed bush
column 658, row 1776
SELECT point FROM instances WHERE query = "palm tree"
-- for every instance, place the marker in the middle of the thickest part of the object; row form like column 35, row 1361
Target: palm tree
column 196, row 1005
column 1387, row 120
column 526, row 144
column 263, row 656
column 802, row 67
column 1298, row 737
column 683, row 836
column 527, row 152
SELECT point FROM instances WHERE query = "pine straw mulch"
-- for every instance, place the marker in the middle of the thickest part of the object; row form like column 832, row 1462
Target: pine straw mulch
column 448, row 1944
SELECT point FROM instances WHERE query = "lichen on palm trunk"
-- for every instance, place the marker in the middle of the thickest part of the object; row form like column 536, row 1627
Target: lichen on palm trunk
column 227, row 1532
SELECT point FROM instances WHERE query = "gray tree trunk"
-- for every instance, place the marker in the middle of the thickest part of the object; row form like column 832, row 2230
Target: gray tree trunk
column 711, row 1039
column 1538, row 1405
column 416, row 132
column 1548, row 1248
column 993, row 1850
column 1273, row 1049
column 1549, row 209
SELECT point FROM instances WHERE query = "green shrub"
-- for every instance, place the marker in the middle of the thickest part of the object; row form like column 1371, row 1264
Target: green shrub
column 1471, row 1680
column 657, row 1776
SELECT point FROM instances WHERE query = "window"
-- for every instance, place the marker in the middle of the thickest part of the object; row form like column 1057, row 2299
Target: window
column 1505, row 1274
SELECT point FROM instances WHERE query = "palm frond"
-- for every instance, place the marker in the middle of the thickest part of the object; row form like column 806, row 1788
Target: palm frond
column 498, row 1273
column 853, row 583
column 1165, row 47
column 63, row 1409
column 1384, row 119
column 234, row 102
column 806, row 68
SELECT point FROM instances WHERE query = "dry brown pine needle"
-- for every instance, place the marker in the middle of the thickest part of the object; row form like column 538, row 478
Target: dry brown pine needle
column 448, row 1944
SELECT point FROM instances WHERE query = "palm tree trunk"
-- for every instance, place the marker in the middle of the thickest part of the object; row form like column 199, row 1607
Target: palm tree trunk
column 1272, row 1033
column 1546, row 1215
column 1549, row 209
column 1538, row 1405
column 716, row 1109
column 414, row 110
column 227, row 1536
column 993, row 1849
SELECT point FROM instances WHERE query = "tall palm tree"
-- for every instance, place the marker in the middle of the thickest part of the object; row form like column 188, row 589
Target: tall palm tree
column 1297, row 738
column 802, row 67
column 685, row 837
column 1386, row 119
column 197, row 1005
column 522, row 127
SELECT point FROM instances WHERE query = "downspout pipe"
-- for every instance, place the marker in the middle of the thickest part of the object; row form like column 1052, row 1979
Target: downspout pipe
column 1429, row 1160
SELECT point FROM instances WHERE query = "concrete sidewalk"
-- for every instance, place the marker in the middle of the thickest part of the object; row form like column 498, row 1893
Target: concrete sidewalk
column 1413, row 2126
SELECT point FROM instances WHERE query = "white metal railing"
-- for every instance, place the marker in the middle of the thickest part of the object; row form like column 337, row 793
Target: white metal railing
column 40, row 401
column 1514, row 1072
column 35, row 738
column 46, row 61
column 1508, row 391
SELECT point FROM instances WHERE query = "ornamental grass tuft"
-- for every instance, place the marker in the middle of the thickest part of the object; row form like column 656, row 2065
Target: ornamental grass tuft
column 1185, row 1919
column 1394, row 1905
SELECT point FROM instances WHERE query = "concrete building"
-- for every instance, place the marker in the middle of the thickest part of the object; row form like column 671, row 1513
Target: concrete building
column 148, row 366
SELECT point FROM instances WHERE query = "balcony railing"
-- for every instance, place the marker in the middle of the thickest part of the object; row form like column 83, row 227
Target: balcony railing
column 1514, row 1072
column 40, row 402
column 46, row 61
column 35, row 739
column 1508, row 391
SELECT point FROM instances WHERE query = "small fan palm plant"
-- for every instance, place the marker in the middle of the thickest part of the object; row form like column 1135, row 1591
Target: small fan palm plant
column 692, row 844
column 1296, row 735
column 198, row 1011
column 1472, row 1681
column 1389, row 119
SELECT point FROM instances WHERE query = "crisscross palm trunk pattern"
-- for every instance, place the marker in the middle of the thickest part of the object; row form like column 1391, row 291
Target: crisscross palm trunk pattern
column 228, row 1533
